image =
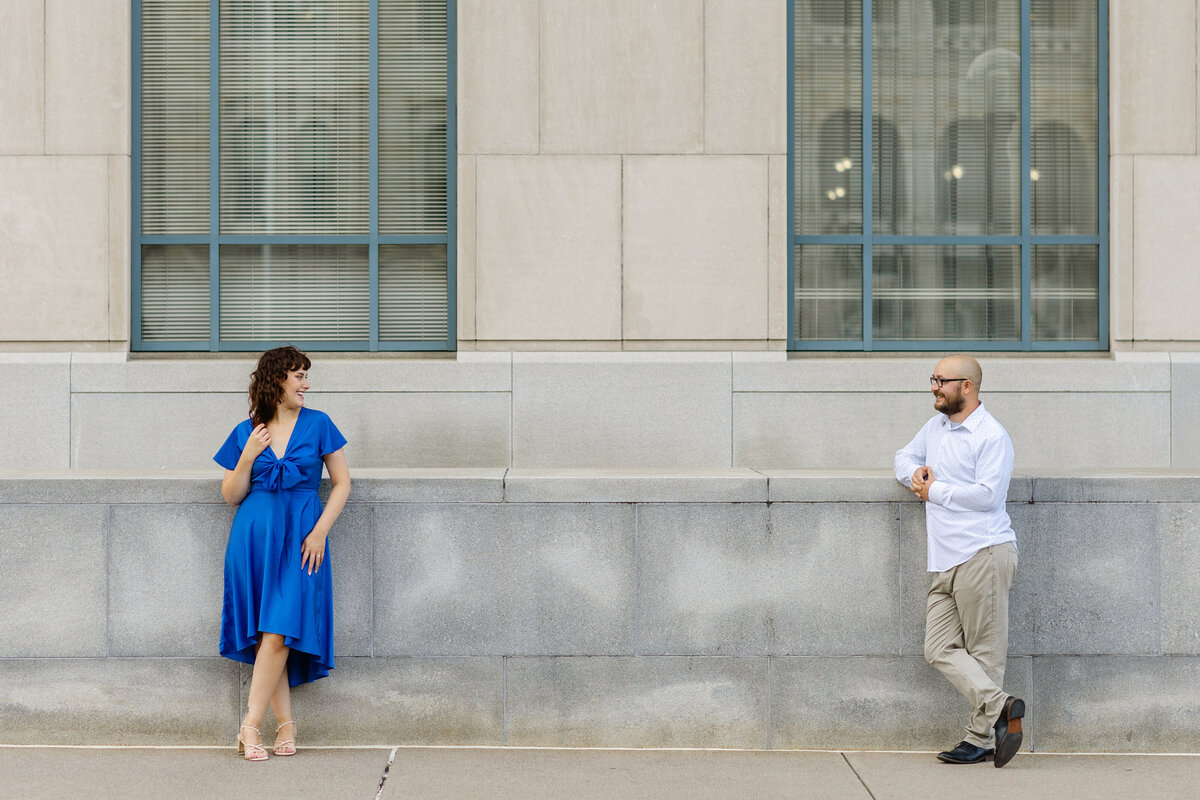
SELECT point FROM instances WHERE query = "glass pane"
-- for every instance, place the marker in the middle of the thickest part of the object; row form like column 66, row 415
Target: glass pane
column 412, row 293
column 828, row 292
column 294, row 117
column 412, row 117
column 175, row 295
column 828, row 117
column 295, row 293
column 175, row 145
column 1063, row 116
column 946, row 94
column 931, row 292
column 1066, row 296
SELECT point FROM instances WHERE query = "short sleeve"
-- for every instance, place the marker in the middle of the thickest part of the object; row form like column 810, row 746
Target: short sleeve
column 230, row 452
column 331, row 439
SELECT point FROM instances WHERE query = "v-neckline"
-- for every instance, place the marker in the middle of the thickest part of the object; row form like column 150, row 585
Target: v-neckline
column 291, row 436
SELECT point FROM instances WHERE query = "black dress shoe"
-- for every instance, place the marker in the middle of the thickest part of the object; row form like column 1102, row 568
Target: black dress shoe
column 1008, row 730
column 965, row 753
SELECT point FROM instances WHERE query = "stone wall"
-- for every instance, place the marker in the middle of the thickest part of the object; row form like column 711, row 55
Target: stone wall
column 696, row 411
column 726, row 608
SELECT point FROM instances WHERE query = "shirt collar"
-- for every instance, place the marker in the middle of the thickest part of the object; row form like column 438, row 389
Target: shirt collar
column 972, row 422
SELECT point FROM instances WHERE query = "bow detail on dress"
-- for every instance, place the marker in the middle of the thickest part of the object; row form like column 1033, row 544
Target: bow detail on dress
column 283, row 473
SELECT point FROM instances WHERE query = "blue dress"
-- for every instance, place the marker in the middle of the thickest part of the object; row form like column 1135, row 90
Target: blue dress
column 265, row 588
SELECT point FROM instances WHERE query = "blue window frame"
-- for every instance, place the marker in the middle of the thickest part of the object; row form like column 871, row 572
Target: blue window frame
column 293, row 176
column 982, row 221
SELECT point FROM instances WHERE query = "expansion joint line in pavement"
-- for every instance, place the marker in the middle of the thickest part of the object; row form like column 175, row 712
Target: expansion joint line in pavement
column 386, row 768
column 852, row 769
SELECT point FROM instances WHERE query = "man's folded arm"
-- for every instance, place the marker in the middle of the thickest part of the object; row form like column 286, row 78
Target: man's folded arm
column 992, row 472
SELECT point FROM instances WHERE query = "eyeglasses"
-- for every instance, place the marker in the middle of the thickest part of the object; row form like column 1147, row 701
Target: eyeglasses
column 937, row 382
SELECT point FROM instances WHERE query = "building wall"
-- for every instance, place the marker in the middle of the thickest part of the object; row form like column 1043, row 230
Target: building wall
column 622, row 174
column 64, row 175
column 774, row 610
column 614, row 411
column 622, row 186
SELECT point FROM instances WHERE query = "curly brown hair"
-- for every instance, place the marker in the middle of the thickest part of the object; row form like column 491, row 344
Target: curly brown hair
column 266, row 382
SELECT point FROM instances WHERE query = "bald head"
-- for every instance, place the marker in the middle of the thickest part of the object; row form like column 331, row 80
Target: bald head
column 955, row 386
column 961, row 365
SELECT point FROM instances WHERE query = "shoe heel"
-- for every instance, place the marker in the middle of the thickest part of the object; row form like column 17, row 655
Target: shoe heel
column 1015, row 712
column 1017, row 709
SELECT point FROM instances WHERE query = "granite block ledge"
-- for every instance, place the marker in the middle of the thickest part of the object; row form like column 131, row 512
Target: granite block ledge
column 737, row 485
column 499, row 484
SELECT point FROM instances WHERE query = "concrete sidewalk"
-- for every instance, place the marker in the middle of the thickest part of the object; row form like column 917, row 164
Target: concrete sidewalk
column 516, row 774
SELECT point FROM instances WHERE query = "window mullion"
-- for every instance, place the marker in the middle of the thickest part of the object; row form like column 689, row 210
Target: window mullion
column 867, row 187
column 214, row 175
column 373, row 170
column 1026, row 184
column 451, row 181
column 1102, row 169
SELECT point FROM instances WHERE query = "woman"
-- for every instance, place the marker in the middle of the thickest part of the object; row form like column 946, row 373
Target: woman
column 278, row 605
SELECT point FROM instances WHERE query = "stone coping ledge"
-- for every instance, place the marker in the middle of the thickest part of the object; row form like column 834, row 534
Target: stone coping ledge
column 483, row 371
column 499, row 485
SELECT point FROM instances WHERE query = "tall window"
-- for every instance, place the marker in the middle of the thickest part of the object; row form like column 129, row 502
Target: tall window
column 293, row 174
column 948, row 175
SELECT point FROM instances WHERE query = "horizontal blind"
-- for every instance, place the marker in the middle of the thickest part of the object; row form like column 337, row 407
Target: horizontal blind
column 175, row 292
column 412, row 292
column 949, row 86
column 295, row 292
column 412, row 117
column 935, row 292
column 828, row 292
column 294, row 117
column 175, row 119
column 828, row 117
column 1065, row 302
column 1064, row 133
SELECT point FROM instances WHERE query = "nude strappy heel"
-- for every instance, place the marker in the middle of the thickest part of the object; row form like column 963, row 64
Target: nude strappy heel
column 285, row 747
column 254, row 752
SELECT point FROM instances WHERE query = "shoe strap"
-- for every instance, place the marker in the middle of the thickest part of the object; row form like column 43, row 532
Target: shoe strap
column 260, row 747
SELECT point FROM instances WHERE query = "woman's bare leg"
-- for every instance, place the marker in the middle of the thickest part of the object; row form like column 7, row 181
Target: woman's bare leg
column 270, row 664
column 281, row 705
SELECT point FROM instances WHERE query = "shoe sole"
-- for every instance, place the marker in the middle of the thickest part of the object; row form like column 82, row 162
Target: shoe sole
column 1009, row 730
column 987, row 757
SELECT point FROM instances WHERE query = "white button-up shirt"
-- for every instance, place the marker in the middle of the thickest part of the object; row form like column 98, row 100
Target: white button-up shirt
column 972, row 463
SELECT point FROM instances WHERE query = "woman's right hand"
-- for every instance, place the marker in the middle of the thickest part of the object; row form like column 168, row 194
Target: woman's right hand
column 259, row 440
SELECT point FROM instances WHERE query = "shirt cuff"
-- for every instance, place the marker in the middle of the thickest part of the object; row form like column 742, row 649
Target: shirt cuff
column 939, row 493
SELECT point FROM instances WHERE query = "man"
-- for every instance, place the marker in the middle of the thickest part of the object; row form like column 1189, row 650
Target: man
column 960, row 463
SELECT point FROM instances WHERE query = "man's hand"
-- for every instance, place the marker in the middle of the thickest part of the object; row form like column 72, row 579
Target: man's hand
column 922, row 479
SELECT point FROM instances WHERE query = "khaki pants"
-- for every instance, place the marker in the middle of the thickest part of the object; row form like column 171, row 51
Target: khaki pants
column 966, row 633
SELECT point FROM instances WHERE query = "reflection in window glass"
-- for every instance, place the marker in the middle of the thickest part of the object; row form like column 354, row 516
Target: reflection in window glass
column 953, row 91
column 953, row 212
column 828, row 117
column 1065, row 298
column 1063, row 110
column 828, row 292
column 931, row 292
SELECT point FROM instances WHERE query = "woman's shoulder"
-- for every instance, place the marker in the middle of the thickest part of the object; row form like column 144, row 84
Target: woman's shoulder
column 244, row 427
column 317, row 418
column 316, row 414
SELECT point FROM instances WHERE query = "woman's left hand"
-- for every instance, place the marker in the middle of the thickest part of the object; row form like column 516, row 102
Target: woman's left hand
column 312, row 552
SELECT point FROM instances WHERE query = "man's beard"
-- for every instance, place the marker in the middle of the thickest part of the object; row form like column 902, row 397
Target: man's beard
column 951, row 406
